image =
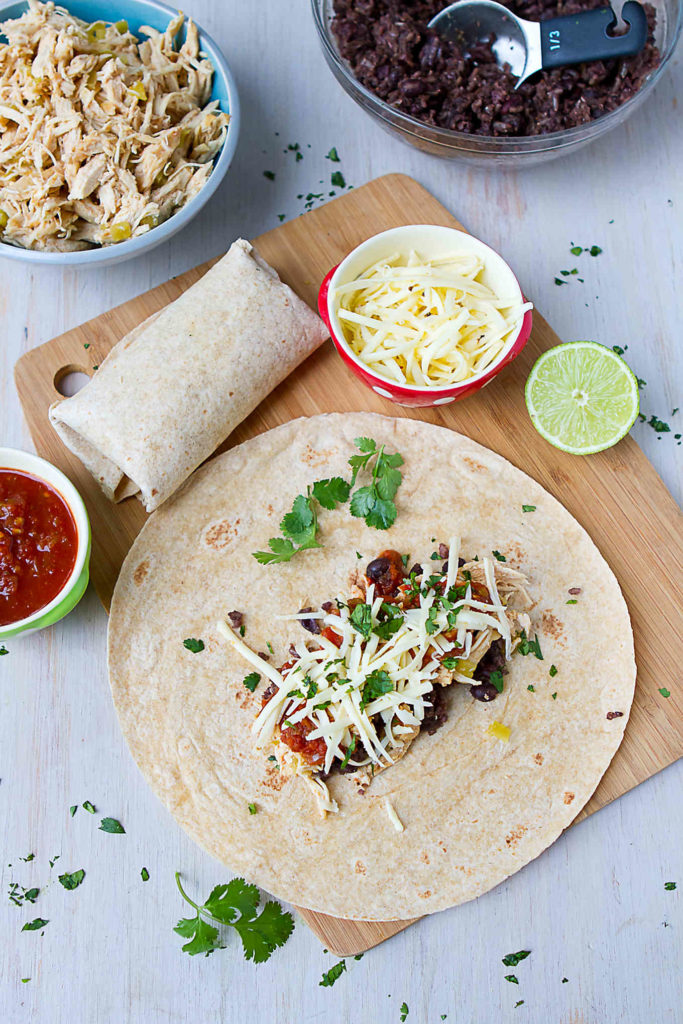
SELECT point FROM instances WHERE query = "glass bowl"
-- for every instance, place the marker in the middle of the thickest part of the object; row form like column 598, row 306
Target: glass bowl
column 485, row 151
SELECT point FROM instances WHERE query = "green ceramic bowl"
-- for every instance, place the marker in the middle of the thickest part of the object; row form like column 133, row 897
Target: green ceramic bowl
column 74, row 588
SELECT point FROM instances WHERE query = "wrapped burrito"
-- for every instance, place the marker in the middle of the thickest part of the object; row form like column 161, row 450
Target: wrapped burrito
column 175, row 387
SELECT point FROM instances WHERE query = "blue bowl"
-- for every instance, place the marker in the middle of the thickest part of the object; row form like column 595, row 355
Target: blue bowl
column 156, row 15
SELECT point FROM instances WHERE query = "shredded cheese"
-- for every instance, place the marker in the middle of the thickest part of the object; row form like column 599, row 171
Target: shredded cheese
column 427, row 322
column 393, row 816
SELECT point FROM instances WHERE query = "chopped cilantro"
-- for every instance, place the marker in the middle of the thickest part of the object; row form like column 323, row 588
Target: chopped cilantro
column 512, row 978
column 497, row 680
column 377, row 683
column 53, row 861
column 144, row 875
column 669, row 886
column 112, row 826
column 554, row 695
column 281, row 217
column 497, row 555
column 527, row 646
column 531, row 688
column 349, row 750
column 72, row 880
column 659, row 426
column 565, row 980
column 73, row 809
column 403, row 1012
column 193, row 645
column 595, row 250
column 24, row 980
column 3, row 650
column 572, row 600
column 558, row 280
column 252, row 808
column 389, row 621
column 520, row 1002
column 329, row 977
column 552, row 671
column 35, row 925
column 528, row 508
column 576, row 250
column 270, row 646
column 28, row 858
column 337, row 179
column 361, row 619
column 261, row 934
column 270, row 175
column 618, row 349
column 450, row 662
column 664, row 692
column 333, row 155
column 300, row 527
column 87, row 806
column 251, row 681
column 512, row 959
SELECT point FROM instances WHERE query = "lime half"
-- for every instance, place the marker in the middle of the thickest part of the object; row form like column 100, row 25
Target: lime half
column 582, row 397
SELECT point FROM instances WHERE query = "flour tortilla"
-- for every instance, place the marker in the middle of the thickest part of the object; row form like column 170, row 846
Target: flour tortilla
column 475, row 809
column 175, row 387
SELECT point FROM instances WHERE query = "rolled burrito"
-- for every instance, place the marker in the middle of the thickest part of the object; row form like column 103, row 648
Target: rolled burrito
column 175, row 387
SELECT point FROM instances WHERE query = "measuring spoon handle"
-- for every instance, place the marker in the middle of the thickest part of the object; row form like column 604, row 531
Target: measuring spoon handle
column 575, row 38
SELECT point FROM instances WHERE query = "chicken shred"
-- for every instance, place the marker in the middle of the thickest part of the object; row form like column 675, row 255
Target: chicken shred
column 103, row 136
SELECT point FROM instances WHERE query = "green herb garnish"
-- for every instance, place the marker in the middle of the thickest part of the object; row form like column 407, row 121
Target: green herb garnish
column 512, row 978
column 374, row 503
column 144, row 875
column 527, row 646
column 512, row 959
column 35, row 925
column 554, row 695
column 72, row 880
column 404, row 1011
column 553, row 671
column 329, row 977
column 73, row 809
column 664, row 692
column 377, row 683
column 333, row 155
column 349, row 750
column 361, row 619
column 261, row 933
column 531, row 688
column 252, row 808
column 497, row 554
column 193, row 645
column 669, row 886
column 112, row 825
column 332, row 492
column 576, row 250
column 497, row 680
column 87, row 806
column 3, row 650
column 389, row 621
column 572, row 601
column 528, row 508
column 251, row 681
column 270, row 175
column 337, row 179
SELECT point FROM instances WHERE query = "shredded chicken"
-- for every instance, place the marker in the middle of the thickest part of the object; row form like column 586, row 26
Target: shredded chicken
column 102, row 136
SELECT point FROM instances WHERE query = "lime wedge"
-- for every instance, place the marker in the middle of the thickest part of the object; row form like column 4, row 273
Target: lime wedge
column 582, row 397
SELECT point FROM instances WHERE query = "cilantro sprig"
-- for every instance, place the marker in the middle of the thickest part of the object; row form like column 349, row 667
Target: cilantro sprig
column 236, row 905
column 376, row 685
column 374, row 502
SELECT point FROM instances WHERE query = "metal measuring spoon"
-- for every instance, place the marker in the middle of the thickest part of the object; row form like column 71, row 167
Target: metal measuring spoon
column 529, row 46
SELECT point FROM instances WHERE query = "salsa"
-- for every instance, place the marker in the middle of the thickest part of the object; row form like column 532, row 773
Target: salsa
column 38, row 545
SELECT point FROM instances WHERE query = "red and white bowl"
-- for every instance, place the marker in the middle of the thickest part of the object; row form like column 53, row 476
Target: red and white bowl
column 430, row 240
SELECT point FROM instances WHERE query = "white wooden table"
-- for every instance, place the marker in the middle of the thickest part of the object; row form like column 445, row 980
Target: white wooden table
column 592, row 909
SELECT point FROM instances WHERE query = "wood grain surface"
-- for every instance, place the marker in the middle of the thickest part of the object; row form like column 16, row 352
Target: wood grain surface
column 616, row 495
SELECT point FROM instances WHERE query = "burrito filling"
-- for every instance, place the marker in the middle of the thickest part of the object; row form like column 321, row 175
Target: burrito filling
column 353, row 697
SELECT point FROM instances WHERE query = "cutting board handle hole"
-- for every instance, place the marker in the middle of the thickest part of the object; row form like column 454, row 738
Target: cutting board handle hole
column 70, row 379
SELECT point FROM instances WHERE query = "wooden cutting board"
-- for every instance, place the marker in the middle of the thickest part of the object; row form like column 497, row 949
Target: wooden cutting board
column 616, row 495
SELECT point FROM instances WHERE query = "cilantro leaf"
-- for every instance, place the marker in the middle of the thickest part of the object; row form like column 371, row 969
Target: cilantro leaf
column 329, row 977
column 377, row 683
column 251, row 681
column 389, row 622
column 669, row 886
column 261, row 934
column 112, row 825
column 337, row 179
column 281, row 550
column 330, row 493
column 513, row 978
column 382, row 514
column 362, row 502
column 512, row 959
column 203, row 936
column 35, row 925
column 497, row 555
column 365, row 444
column 144, row 875
column 264, row 934
column 73, row 809
column 450, row 662
column 87, row 806
column 361, row 619
column 527, row 646
column 497, row 680
column 404, row 1011
column 552, row 671
column 333, row 155
column 73, row 880
column 528, row 508
column 193, row 645
column 664, row 692
column 349, row 750
column 299, row 523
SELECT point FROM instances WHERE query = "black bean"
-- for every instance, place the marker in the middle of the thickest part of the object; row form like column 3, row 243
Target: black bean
column 484, row 691
column 312, row 625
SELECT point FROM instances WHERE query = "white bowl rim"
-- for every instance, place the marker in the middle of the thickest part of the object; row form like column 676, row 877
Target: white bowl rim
column 156, row 236
column 26, row 462
column 473, row 243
